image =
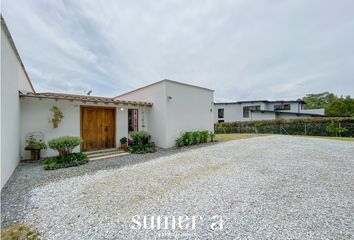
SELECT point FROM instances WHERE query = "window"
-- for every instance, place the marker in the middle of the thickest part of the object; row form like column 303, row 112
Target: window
column 220, row 121
column 246, row 110
column 220, row 113
column 132, row 120
column 281, row 107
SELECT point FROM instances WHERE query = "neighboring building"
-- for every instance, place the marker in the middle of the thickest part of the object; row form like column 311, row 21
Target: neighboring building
column 13, row 79
column 262, row 110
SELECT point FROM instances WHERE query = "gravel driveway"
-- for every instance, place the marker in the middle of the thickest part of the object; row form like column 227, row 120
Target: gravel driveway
column 275, row 187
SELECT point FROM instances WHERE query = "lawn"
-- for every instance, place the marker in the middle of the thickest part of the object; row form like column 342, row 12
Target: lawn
column 19, row 232
column 236, row 136
column 332, row 138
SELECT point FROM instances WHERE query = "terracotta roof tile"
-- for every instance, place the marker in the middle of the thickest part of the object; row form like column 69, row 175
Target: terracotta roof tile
column 84, row 98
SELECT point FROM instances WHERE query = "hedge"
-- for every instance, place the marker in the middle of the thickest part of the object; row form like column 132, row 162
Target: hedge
column 299, row 126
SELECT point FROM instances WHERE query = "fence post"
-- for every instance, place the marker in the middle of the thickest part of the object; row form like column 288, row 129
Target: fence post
column 305, row 130
column 339, row 125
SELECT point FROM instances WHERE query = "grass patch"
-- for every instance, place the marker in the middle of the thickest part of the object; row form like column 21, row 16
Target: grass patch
column 351, row 139
column 19, row 232
column 70, row 160
column 236, row 136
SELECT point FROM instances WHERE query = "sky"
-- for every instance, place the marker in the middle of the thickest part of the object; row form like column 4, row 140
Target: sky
column 244, row 50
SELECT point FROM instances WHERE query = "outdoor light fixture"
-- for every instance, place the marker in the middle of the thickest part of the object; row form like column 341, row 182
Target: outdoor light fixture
column 122, row 109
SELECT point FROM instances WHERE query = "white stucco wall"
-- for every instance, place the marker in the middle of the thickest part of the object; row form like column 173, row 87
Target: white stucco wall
column 313, row 111
column 13, row 79
column 35, row 114
column 188, row 110
column 232, row 112
column 294, row 106
column 290, row 116
column 157, row 114
column 256, row 116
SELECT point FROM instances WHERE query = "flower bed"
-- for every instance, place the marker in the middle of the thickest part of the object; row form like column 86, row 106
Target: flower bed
column 70, row 160
column 141, row 143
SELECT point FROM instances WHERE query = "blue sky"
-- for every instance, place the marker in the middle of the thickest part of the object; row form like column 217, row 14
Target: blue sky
column 242, row 49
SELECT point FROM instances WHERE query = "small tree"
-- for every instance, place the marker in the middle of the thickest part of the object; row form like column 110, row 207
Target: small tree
column 332, row 128
column 64, row 145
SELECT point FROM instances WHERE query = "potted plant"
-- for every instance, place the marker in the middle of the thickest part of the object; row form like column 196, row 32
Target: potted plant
column 57, row 116
column 123, row 143
column 35, row 146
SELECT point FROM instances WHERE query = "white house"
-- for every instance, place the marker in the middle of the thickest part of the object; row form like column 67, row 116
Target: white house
column 262, row 110
column 177, row 107
column 165, row 109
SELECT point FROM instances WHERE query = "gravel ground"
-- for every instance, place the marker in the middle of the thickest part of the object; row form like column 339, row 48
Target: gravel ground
column 276, row 187
column 27, row 176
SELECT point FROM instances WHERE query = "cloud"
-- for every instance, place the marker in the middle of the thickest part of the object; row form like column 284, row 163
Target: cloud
column 243, row 50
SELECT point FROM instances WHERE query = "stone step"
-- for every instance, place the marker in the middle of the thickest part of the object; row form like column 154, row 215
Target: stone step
column 102, row 151
column 106, row 156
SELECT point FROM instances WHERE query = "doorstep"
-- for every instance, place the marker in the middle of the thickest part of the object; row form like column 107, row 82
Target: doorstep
column 105, row 154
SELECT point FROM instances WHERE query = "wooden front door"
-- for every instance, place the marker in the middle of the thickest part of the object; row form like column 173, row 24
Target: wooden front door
column 97, row 128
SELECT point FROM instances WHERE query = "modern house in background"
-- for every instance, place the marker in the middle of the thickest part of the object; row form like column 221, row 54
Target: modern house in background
column 262, row 110
column 165, row 109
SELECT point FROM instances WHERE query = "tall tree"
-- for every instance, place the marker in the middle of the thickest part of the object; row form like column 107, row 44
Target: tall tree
column 319, row 100
column 341, row 107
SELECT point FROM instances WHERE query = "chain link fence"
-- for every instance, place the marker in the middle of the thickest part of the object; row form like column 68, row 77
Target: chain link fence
column 310, row 126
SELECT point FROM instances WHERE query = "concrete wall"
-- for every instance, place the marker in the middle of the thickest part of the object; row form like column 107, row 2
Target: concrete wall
column 290, row 116
column 313, row 111
column 255, row 116
column 13, row 79
column 294, row 106
column 35, row 114
column 232, row 112
column 188, row 109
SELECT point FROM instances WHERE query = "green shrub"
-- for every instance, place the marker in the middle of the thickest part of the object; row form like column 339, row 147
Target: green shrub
column 212, row 136
column 179, row 142
column 187, row 138
column 64, row 145
column 141, row 143
column 195, row 139
column 142, row 148
column 203, row 136
column 140, row 137
column 123, row 140
column 69, row 160
column 298, row 126
column 334, row 129
column 192, row 138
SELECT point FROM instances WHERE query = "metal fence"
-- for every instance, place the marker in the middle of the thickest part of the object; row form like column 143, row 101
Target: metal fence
column 291, row 128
